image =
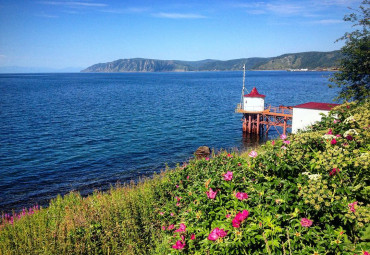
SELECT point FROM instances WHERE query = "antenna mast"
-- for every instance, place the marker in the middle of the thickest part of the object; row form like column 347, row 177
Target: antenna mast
column 241, row 100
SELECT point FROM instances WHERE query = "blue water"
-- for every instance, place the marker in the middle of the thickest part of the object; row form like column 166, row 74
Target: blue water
column 64, row 132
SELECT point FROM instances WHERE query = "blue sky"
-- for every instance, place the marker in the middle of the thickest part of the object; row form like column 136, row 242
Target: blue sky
column 79, row 33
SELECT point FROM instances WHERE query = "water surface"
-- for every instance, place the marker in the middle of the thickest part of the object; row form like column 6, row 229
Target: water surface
column 83, row 131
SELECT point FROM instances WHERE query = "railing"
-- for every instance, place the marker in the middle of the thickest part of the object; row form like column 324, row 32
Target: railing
column 281, row 109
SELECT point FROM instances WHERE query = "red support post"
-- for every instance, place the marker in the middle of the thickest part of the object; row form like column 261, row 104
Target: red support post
column 285, row 122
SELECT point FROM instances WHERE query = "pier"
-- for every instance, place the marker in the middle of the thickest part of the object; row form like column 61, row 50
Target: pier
column 261, row 122
column 258, row 119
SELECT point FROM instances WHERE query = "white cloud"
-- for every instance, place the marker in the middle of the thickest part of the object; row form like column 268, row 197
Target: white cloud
column 345, row 3
column 47, row 16
column 256, row 12
column 178, row 15
column 277, row 7
column 306, row 8
column 285, row 9
column 327, row 21
column 127, row 10
column 137, row 9
column 74, row 4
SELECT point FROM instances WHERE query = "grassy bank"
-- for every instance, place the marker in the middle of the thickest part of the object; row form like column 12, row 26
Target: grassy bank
column 305, row 194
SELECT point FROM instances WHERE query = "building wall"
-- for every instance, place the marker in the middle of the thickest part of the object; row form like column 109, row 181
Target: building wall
column 253, row 104
column 303, row 118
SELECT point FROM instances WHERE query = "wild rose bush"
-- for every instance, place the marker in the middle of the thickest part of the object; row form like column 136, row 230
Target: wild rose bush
column 303, row 194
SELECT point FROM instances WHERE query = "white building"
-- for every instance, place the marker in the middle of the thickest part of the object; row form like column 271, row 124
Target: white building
column 254, row 101
column 304, row 115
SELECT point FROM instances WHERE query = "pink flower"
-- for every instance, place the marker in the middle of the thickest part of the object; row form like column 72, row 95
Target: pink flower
column 229, row 155
column 179, row 245
column 286, row 142
column 170, row 227
column 228, row 176
column 336, row 121
column 239, row 218
column 283, row 137
column 7, row 218
column 253, row 154
column 177, row 186
column 178, row 204
column 306, row 222
column 172, row 214
column 192, row 237
column 33, row 209
column 207, row 159
column 241, row 196
column 273, row 143
column 334, row 171
column 338, row 135
column 163, row 228
column 216, row 234
column 366, row 253
column 333, row 141
column 161, row 213
column 228, row 215
column 239, row 164
column 187, row 177
column 178, row 198
column 352, row 206
column 211, row 194
column 330, row 132
column 182, row 228
column 283, row 147
column 213, row 235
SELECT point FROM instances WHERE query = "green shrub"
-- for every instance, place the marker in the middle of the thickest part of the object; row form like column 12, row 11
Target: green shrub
column 306, row 195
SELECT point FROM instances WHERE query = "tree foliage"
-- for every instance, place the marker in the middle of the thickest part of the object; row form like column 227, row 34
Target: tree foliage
column 353, row 78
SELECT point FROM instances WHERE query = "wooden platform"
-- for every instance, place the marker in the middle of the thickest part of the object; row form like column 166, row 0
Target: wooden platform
column 261, row 122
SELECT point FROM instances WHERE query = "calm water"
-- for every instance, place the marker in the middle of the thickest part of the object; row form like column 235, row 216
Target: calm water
column 63, row 132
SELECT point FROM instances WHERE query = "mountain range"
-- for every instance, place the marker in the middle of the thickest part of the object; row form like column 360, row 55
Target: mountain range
column 22, row 69
column 304, row 60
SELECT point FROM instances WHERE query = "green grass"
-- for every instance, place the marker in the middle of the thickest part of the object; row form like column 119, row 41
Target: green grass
column 121, row 221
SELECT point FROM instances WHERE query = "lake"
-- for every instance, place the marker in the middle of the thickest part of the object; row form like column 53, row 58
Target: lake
column 86, row 131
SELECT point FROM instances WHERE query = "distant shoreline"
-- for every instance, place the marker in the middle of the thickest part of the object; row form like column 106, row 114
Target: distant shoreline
column 303, row 61
column 280, row 70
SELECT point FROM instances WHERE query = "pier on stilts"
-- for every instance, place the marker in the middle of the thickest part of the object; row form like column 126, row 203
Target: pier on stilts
column 258, row 119
column 271, row 117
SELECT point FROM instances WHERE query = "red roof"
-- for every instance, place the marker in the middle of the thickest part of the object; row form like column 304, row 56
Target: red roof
column 316, row 106
column 254, row 93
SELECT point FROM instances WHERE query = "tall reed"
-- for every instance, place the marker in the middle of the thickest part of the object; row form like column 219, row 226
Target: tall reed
column 120, row 221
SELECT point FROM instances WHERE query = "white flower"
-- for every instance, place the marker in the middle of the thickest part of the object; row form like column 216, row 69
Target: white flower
column 314, row 176
column 364, row 155
column 350, row 119
column 328, row 137
column 350, row 132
